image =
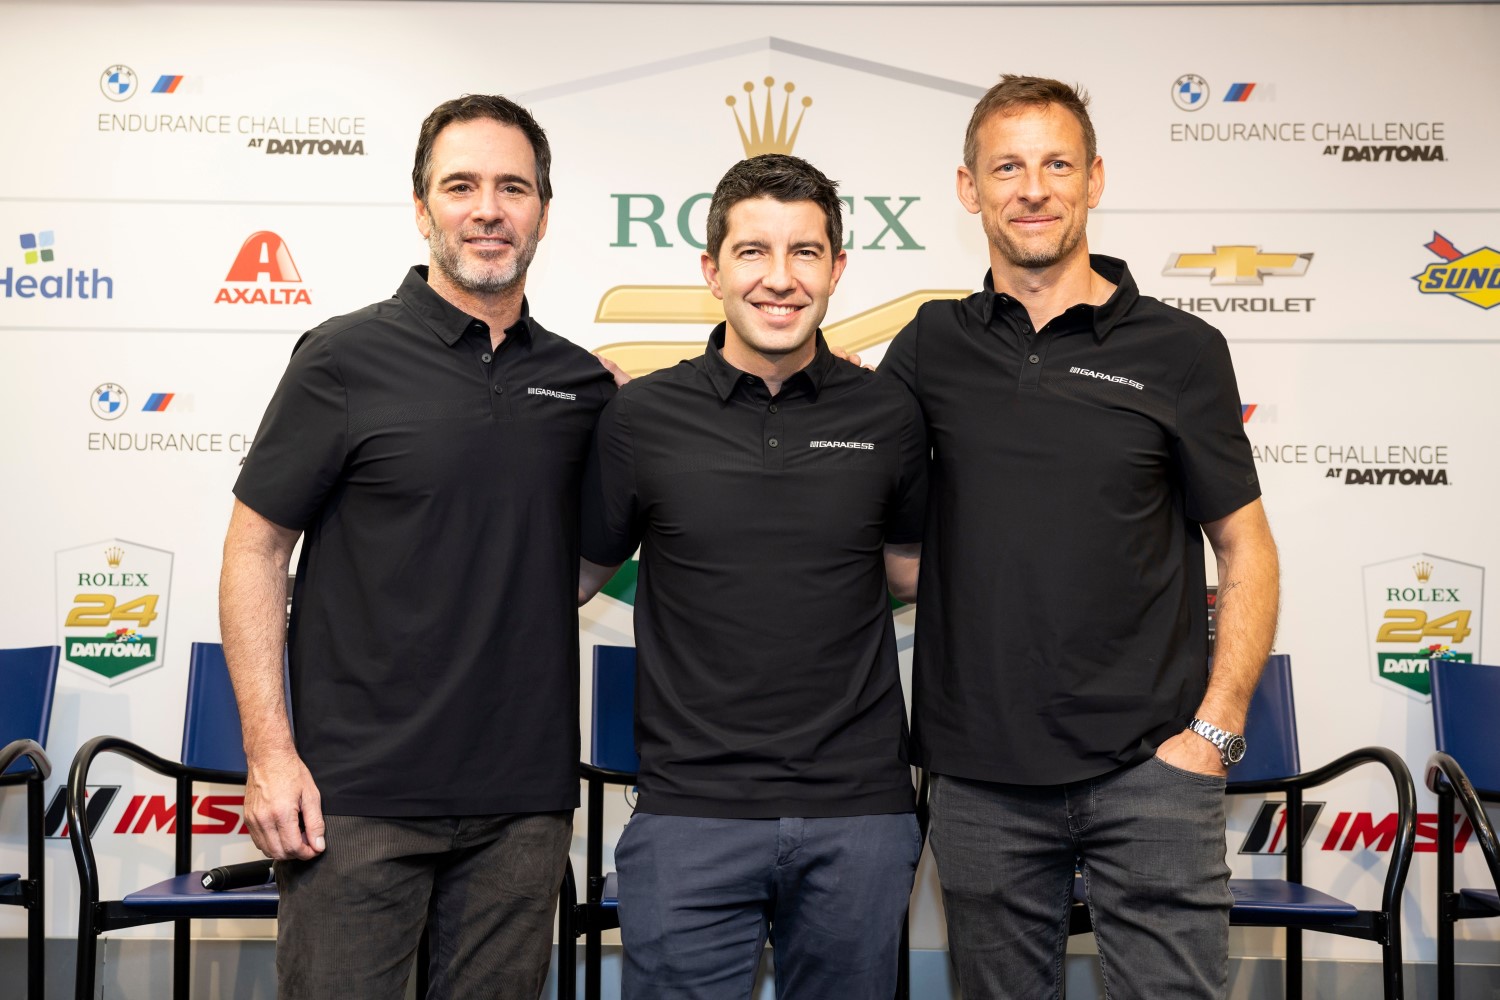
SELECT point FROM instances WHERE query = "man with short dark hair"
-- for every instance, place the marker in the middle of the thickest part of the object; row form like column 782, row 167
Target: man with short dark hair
column 428, row 450
column 776, row 492
column 1085, row 439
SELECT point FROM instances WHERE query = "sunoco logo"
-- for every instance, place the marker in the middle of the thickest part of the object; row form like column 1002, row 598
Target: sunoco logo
column 112, row 597
column 260, row 273
column 1421, row 607
column 1473, row 277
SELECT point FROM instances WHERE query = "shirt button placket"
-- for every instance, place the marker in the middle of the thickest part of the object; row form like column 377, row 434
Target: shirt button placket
column 774, row 435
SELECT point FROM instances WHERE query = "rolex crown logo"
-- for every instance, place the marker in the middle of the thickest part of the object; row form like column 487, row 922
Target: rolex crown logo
column 114, row 554
column 766, row 136
column 1423, row 570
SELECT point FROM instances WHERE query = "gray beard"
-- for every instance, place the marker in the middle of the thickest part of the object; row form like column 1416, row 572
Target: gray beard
column 487, row 281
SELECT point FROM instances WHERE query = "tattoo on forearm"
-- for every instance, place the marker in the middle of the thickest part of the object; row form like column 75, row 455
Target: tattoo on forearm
column 1224, row 590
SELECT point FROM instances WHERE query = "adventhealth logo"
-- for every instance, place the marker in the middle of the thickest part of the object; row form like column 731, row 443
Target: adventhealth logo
column 71, row 283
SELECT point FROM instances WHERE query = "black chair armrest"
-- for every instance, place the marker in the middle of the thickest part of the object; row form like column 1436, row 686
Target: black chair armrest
column 78, row 775
column 1443, row 769
column 591, row 773
column 14, row 751
column 1406, row 807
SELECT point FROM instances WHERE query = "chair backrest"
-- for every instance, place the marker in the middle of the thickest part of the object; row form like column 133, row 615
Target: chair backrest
column 1465, row 706
column 211, row 726
column 27, row 679
column 613, row 745
column 1271, row 727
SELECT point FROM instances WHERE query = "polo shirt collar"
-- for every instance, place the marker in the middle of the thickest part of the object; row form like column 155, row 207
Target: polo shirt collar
column 1102, row 318
column 726, row 376
column 444, row 318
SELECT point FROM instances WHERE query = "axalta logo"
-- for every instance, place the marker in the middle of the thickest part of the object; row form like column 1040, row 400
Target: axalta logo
column 39, row 249
column 854, row 445
column 555, row 394
column 263, row 263
column 1241, row 265
column 1348, row 831
column 1473, row 277
column 1120, row 379
column 1420, row 608
column 143, row 814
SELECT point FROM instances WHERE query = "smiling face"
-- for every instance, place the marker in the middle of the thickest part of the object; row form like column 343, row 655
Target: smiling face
column 775, row 271
column 481, row 215
column 1032, row 186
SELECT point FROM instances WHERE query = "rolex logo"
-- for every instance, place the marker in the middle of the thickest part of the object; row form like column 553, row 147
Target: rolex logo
column 114, row 554
column 1423, row 570
column 766, row 136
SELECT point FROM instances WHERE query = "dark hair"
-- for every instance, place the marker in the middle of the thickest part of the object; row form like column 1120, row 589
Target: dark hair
column 469, row 108
column 1029, row 91
column 774, row 175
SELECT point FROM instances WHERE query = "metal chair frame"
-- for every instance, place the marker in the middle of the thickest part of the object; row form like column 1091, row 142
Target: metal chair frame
column 30, row 891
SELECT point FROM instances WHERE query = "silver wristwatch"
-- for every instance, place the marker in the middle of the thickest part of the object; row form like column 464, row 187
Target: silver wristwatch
column 1231, row 745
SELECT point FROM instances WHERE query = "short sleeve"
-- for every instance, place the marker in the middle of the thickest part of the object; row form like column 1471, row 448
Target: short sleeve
column 610, row 531
column 909, row 506
column 302, row 443
column 1217, row 466
column 900, row 361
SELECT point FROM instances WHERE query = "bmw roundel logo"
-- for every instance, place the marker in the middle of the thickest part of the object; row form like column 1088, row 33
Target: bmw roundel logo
column 1190, row 92
column 118, row 83
column 109, row 401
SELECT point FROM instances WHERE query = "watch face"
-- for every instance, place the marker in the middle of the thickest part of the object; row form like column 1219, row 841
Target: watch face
column 1235, row 751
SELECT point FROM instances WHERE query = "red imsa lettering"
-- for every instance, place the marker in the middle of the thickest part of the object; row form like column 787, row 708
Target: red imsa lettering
column 211, row 813
column 1353, row 831
column 264, row 296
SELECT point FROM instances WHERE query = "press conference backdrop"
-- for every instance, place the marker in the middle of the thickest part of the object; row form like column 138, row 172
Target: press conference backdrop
column 189, row 187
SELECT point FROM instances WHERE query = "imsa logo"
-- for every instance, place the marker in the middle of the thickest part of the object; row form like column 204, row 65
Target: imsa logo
column 1350, row 831
column 144, row 814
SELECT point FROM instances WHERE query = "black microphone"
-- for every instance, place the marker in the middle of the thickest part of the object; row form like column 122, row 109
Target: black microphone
column 243, row 876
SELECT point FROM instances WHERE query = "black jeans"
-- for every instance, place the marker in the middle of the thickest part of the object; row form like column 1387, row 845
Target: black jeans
column 1149, row 840
column 485, row 888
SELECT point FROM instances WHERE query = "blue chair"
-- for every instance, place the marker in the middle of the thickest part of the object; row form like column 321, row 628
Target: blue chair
column 1274, row 765
column 28, row 678
column 612, row 761
column 211, row 752
column 1465, row 705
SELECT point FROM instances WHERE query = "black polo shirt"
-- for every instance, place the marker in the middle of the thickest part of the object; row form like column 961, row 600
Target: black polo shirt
column 1061, row 628
column 766, row 667
column 434, row 631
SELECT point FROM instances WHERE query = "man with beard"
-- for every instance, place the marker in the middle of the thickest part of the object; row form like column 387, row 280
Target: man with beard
column 428, row 450
column 1085, row 439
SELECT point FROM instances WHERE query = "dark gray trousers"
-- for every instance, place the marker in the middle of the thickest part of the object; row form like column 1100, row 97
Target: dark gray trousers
column 1149, row 840
column 484, row 887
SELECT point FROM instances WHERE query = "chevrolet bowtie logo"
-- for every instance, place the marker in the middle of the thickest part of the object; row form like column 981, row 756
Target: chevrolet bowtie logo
column 1237, row 265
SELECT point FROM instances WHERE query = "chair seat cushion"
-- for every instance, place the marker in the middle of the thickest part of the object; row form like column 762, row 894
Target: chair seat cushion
column 1472, row 902
column 611, row 894
column 6, row 878
column 1268, row 902
column 184, row 896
